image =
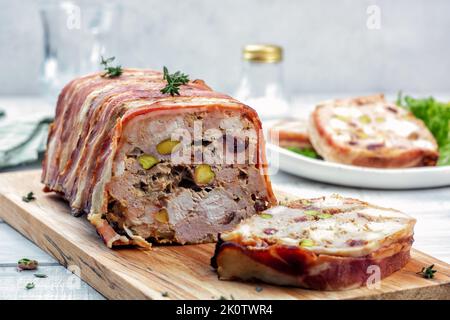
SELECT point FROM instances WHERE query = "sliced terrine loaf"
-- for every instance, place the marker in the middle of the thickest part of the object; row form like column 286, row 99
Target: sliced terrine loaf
column 148, row 166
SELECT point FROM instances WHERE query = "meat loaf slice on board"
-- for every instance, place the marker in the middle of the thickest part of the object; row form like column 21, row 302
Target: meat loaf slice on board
column 371, row 132
column 149, row 166
column 329, row 243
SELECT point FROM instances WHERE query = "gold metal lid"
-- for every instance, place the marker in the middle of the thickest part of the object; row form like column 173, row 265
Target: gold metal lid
column 267, row 53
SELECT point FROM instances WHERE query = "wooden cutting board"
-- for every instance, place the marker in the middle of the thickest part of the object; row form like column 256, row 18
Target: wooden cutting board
column 181, row 271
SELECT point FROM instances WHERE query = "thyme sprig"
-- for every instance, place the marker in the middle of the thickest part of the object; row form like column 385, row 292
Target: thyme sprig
column 40, row 275
column 174, row 81
column 427, row 272
column 30, row 285
column 29, row 197
column 110, row 72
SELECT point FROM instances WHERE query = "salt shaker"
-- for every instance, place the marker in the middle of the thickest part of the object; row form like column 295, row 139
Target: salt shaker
column 261, row 85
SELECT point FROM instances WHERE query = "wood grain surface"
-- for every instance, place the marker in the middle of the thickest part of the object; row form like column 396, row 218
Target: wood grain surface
column 183, row 272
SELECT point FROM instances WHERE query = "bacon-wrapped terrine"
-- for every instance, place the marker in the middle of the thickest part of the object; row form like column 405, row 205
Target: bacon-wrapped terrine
column 149, row 166
column 371, row 132
column 329, row 243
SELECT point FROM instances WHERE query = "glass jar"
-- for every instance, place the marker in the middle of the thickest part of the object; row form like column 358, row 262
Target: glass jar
column 261, row 85
column 75, row 35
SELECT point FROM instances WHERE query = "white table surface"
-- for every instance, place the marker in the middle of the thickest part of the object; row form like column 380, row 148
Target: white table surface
column 431, row 208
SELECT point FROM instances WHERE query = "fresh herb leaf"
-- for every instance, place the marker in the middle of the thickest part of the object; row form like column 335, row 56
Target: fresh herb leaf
column 27, row 264
column 29, row 197
column 307, row 152
column 444, row 155
column 110, row 72
column 436, row 116
column 40, row 275
column 427, row 272
column 165, row 294
column 30, row 285
column 174, row 81
column 225, row 298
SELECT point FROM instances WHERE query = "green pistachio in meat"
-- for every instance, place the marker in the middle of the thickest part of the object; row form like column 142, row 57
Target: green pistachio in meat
column 364, row 119
column 167, row 146
column 311, row 212
column 203, row 174
column 306, row 243
column 147, row 161
column 162, row 216
column 342, row 118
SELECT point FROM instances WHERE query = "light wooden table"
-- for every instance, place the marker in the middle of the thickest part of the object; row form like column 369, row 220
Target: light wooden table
column 431, row 208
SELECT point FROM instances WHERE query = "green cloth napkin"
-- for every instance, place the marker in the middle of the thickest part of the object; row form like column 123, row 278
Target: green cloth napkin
column 21, row 141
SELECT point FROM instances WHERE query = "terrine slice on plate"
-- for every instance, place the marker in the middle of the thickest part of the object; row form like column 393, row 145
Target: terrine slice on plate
column 290, row 133
column 371, row 132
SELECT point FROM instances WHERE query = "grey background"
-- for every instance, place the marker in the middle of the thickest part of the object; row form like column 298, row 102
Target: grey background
column 327, row 43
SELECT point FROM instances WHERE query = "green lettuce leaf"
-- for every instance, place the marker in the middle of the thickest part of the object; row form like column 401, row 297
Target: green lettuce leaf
column 307, row 152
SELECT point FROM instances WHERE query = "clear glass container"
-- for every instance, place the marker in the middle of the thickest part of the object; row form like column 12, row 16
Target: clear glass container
column 75, row 37
column 261, row 86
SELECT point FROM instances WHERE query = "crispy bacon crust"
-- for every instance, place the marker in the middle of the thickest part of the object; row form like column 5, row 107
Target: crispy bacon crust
column 90, row 115
column 294, row 266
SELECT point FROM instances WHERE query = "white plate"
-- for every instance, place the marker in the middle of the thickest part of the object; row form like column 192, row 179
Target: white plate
column 353, row 176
